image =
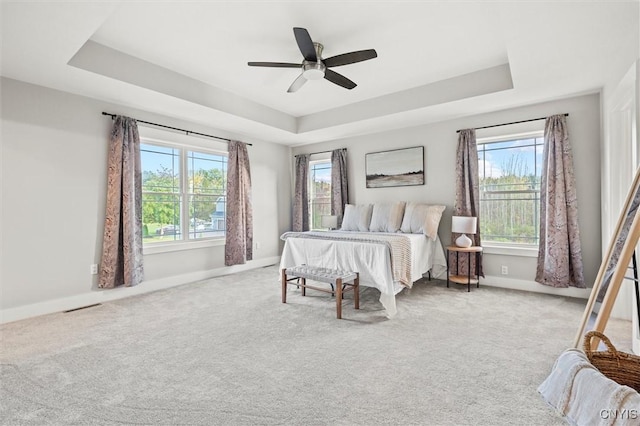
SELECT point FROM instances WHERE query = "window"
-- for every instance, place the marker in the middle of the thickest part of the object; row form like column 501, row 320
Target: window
column 319, row 192
column 510, row 170
column 183, row 193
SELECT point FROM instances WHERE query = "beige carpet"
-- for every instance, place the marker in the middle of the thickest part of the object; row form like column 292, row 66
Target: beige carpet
column 226, row 351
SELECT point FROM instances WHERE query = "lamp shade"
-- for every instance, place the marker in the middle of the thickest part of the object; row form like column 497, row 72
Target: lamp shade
column 330, row 222
column 464, row 224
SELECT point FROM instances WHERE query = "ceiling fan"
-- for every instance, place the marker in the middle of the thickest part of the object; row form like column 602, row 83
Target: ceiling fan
column 314, row 67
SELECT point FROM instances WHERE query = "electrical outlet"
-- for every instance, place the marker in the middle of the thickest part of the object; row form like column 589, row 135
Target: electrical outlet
column 505, row 270
column 94, row 269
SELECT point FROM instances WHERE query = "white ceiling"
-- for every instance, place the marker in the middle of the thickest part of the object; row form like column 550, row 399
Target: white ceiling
column 436, row 59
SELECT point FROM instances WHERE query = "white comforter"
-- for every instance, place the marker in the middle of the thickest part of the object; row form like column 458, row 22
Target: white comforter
column 372, row 261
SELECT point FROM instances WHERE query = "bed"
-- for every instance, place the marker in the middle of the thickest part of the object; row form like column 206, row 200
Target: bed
column 387, row 261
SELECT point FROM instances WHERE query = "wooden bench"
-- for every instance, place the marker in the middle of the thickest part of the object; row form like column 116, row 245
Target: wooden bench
column 342, row 280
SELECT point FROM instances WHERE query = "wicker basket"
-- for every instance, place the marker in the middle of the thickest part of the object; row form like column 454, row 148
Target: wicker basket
column 620, row 367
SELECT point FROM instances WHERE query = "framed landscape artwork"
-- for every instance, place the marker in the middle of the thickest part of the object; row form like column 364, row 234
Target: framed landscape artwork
column 398, row 167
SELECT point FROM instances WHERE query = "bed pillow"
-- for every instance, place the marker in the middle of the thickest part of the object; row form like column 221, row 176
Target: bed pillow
column 431, row 223
column 387, row 217
column 356, row 217
column 422, row 219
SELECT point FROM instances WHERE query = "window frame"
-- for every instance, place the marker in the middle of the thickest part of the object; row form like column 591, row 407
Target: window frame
column 511, row 248
column 321, row 159
column 185, row 243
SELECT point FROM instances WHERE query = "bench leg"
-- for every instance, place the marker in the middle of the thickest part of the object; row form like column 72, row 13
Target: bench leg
column 356, row 291
column 284, row 286
column 304, row 287
column 339, row 298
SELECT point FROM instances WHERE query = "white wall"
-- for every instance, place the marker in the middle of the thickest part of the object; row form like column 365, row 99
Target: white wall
column 440, row 141
column 54, row 147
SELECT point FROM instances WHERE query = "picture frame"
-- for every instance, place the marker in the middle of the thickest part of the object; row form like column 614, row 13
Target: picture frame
column 396, row 167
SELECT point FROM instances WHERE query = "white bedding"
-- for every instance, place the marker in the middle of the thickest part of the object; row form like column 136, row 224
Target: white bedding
column 372, row 261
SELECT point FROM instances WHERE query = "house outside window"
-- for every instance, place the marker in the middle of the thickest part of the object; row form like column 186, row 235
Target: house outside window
column 510, row 172
column 183, row 193
column 319, row 192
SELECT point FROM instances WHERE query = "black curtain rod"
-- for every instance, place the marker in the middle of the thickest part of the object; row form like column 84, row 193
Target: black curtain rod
column 188, row 132
column 513, row 122
column 319, row 152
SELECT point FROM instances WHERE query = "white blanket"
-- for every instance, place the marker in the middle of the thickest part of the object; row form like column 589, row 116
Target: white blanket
column 372, row 261
column 584, row 396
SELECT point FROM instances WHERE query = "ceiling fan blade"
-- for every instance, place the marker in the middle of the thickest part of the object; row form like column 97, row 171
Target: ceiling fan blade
column 339, row 79
column 274, row 64
column 350, row 58
column 305, row 44
column 297, row 83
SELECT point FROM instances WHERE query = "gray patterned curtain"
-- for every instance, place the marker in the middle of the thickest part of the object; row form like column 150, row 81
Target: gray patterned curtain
column 467, row 195
column 339, row 187
column 559, row 255
column 121, row 262
column 301, row 196
column 238, row 247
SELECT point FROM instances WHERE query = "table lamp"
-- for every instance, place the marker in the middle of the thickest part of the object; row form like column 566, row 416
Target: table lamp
column 463, row 225
column 329, row 222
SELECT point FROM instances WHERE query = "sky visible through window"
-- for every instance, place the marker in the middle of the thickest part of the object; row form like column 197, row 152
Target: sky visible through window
column 515, row 157
column 152, row 161
column 155, row 158
column 322, row 173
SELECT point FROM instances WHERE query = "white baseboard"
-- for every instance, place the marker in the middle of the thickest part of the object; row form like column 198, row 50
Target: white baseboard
column 105, row 295
column 526, row 285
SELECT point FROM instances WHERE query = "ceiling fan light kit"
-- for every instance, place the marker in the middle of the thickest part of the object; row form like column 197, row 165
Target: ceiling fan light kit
column 313, row 71
column 313, row 67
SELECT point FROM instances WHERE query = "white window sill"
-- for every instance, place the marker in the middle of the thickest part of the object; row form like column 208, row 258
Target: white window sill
column 521, row 251
column 181, row 245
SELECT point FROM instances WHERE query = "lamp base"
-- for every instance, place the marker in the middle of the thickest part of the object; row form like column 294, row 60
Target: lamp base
column 463, row 241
